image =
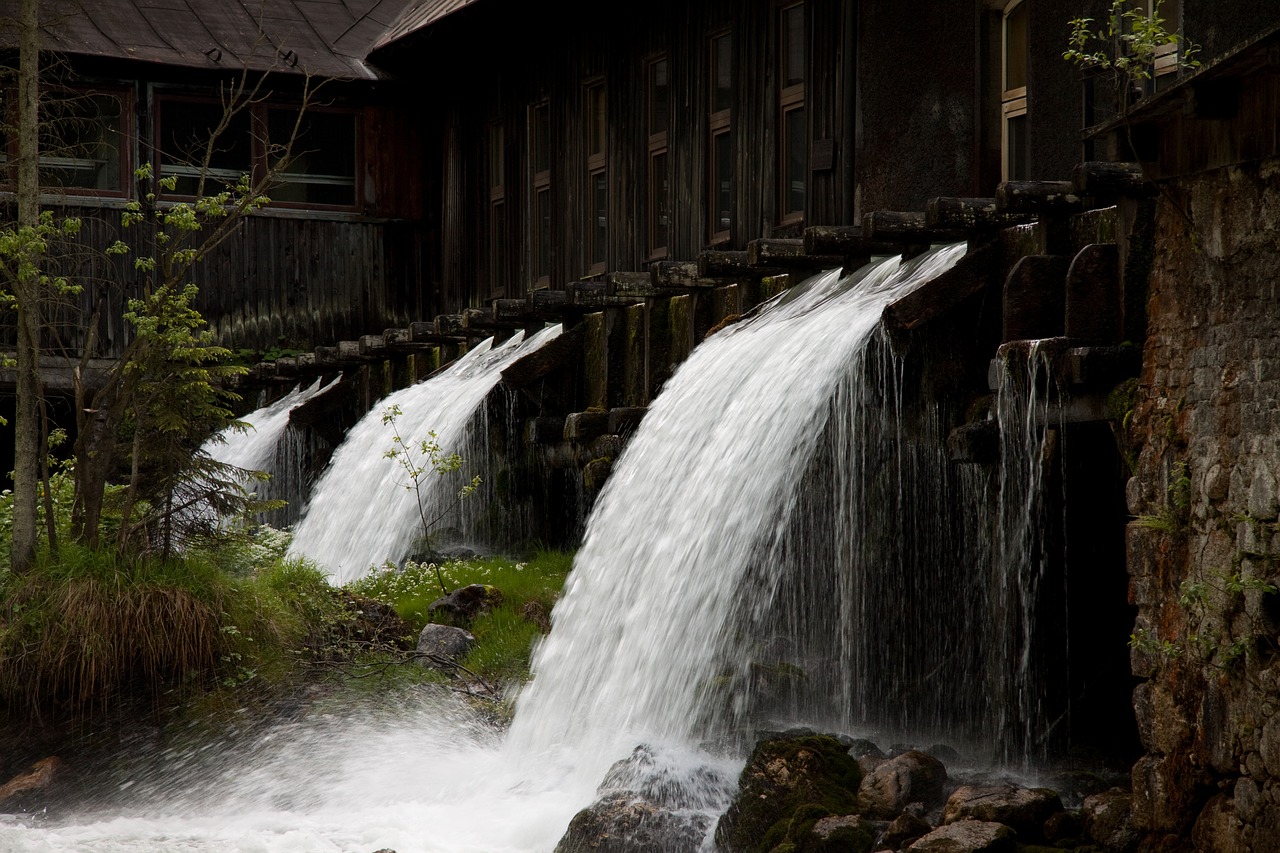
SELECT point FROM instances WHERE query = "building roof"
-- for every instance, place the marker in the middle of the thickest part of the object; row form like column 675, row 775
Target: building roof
column 329, row 38
column 419, row 15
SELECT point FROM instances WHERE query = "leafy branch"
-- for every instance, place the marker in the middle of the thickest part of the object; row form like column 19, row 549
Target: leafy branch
column 420, row 461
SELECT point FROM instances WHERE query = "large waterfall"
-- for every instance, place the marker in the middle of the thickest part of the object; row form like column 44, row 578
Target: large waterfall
column 364, row 510
column 780, row 543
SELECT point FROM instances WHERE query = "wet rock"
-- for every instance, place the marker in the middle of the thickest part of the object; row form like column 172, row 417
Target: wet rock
column 1108, row 820
column 787, row 783
column 968, row 836
column 440, row 645
column 903, row 830
column 1219, row 828
column 649, row 803
column 465, row 603
column 944, row 753
column 620, row 823
column 860, row 747
column 1063, row 826
column 373, row 622
column 1023, row 809
column 913, row 776
column 42, row 775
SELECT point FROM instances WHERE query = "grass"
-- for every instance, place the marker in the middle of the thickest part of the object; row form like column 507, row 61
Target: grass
column 506, row 635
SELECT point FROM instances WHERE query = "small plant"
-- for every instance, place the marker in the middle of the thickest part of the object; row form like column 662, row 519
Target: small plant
column 1175, row 515
column 1126, row 46
column 420, row 461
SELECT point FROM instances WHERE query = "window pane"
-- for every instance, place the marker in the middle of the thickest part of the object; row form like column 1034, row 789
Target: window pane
column 542, row 222
column 658, row 208
column 497, row 160
column 722, row 183
column 1016, row 148
column 599, row 217
column 793, row 45
column 797, row 159
column 541, row 138
column 186, row 129
column 79, row 141
column 721, row 74
column 322, row 164
column 595, row 120
column 659, row 97
column 1015, row 47
column 498, row 245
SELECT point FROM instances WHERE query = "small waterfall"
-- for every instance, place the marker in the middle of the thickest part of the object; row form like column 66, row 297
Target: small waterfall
column 272, row 446
column 1028, row 451
column 670, row 624
column 362, row 513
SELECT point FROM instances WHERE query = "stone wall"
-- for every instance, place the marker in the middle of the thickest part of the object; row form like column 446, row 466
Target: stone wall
column 1203, row 550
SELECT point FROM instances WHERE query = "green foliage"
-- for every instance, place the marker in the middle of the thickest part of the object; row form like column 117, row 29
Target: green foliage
column 1175, row 515
column 420, row 461
column 1126, row 44
column 506, row 635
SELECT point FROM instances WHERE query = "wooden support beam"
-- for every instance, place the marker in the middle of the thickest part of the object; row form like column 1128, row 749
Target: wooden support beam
column 326, row 356
column 966, row 215
column 680, row 274
column 372, row 346
column 1101, row 179
column 715, row 263
column 348, row 351
column 633, row 285
column 593, row 295
column 450, row 324
column 513, row 310
column 1041, row 197
column 788, row 254
column 546, row 300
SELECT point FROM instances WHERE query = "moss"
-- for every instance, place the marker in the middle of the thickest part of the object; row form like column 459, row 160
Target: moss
column 788, row 785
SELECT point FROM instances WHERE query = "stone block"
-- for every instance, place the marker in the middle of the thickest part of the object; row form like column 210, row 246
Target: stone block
column 1035, row 298
column 1094, row 297
column 595, row 346
column 585, row 427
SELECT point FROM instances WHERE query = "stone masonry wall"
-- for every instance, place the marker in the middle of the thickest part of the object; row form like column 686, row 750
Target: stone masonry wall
column 1204, row 550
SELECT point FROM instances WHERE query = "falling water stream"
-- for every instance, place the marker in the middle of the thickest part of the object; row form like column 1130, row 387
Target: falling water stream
column 677, row 629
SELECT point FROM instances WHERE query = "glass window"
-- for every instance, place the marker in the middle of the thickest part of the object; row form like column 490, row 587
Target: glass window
column 541, row 138
column 195, row 133
column 1015, row 47
column 80, row 135
column 595, row 119
column 793, row 45
column 321, row 168
column 721, row 73
column 542, row 217
column 599, row 232
column 722, row 184
column 659, row 96
column 658, row 205
column 497, row 156
column 797, row 160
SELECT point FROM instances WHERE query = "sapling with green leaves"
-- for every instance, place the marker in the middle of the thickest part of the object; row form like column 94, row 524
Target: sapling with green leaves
column 420, row 461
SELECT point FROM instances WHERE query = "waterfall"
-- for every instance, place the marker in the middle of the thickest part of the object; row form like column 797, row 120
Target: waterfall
column 669, row 621
column 364, row 510
column 1023, row 556
column 271, row 446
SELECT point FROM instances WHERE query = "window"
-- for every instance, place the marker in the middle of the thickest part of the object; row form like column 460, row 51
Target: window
column 1165, row 65
column 497, row 178
column 720, row 195
column 540, row 170
column 658, row 113
column 80, row 143
column 597, row 181
column 198, row 139
column 793, row 154
column 1013, row 99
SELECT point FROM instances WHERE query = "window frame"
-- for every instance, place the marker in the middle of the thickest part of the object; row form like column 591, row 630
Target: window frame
column 597, row 116
column 719, row 123
column 258, row 115
column 1013, row 101
column 658, row 162
column 540, row 243
column 496, row 178
column 124, row 148
column 791, row 98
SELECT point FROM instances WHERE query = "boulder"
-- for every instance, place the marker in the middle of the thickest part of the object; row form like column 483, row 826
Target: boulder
column 968, row 836
column 465, row 603
column 441, row 645
column 39, row 777
column 371, row 621
column 647, row 803
column 1023, row 809
column 1108, row 820
column 903, row 830
column 621, row 823
column 911, row 777
column 786, row 787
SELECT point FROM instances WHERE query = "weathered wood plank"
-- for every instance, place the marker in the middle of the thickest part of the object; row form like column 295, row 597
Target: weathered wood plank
column 1038, row 197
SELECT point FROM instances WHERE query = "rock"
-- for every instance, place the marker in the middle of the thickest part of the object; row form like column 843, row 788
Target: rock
column 913, row 776
column 465, row 603
column 374, row 622
column 968, row 836
column 905, row 829
column 441, row 645
column 1219, row 828
column 860, row 747
column 1023, row 809
column 787, row 783
column 43, row 774
column 620, row 823
column 648, row 803
column 944, row 753
column 1108, row 820
column 1062, row 826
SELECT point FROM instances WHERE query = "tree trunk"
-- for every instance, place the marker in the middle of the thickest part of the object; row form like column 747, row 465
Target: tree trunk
column 26, row 427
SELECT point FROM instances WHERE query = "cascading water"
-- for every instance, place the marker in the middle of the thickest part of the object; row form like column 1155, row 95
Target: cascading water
column 361, row 514
column 717, row 588
column 271, row 446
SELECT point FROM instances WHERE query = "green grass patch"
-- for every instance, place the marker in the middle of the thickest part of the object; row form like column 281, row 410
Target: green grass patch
column 504, row 636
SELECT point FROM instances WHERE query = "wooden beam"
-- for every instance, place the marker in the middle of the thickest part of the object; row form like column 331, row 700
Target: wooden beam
column 1038, row 197
column 788, row 253
column 966, row 215
column 680, row 274
column 715, row 263
column 1101, row 179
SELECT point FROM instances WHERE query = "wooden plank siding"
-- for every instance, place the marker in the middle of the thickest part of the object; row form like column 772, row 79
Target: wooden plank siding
column 531, row 59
